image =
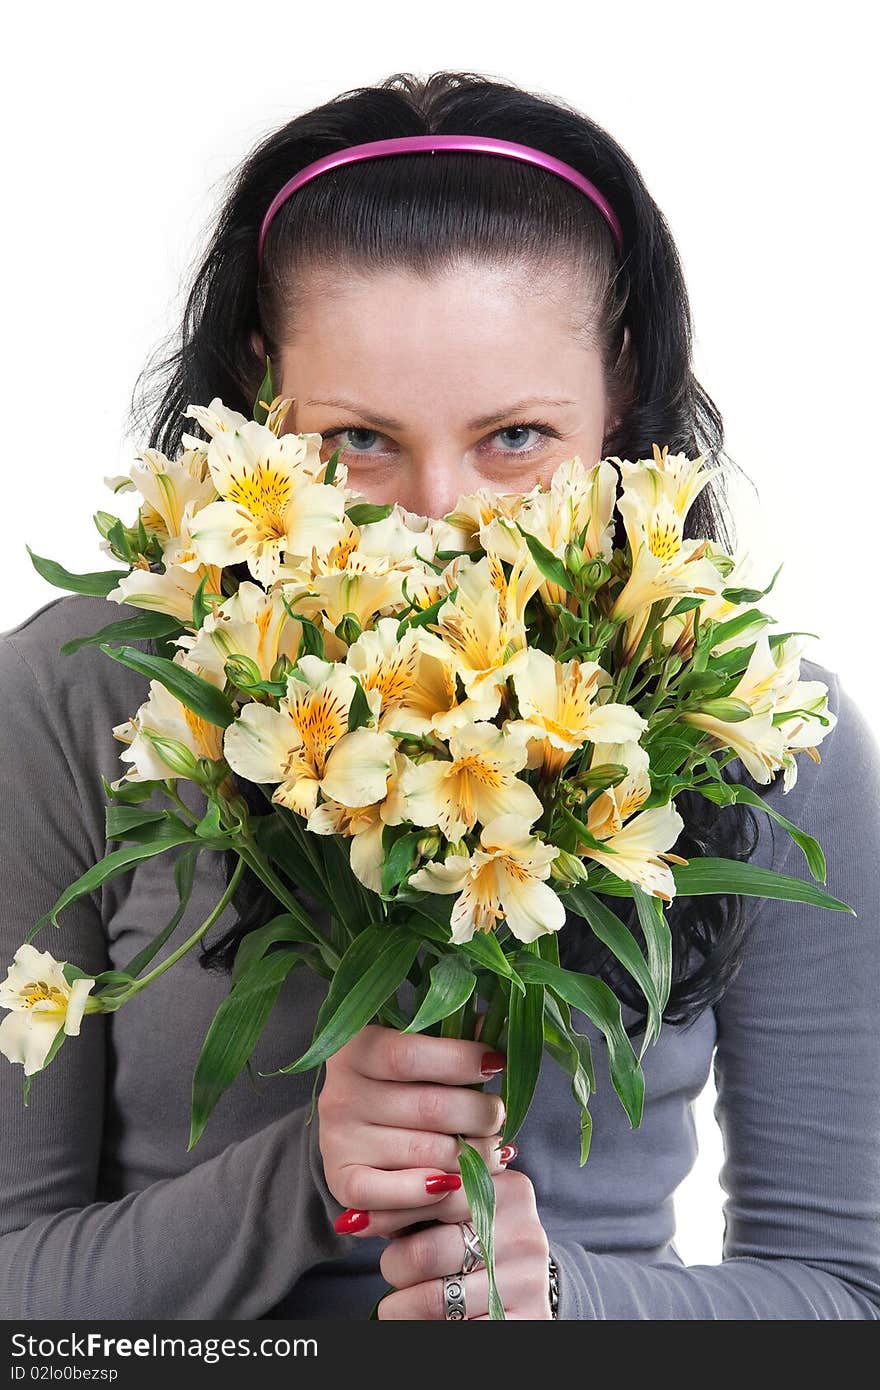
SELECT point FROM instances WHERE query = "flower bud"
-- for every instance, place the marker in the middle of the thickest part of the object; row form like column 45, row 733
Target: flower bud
column 596, row 573
column 429, row 845
column 174, row 754
column 242, row 670
column 282, row 669
column 456, row 847
column 573, row 558
column 349, row 629
column 730, row 710
column 568, row 869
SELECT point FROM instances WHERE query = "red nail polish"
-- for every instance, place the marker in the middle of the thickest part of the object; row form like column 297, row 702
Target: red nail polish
column 493, row 1063
column 443, row 1182
column 508, row 1153
column 350, row 1221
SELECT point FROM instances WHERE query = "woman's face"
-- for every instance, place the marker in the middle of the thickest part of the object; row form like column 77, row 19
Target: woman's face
column 436, row 387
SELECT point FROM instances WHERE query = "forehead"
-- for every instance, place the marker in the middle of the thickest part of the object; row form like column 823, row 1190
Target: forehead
column 471, row 330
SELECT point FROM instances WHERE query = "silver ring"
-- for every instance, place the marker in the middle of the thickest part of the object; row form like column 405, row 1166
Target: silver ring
column 454, row 1306
column 473, row 1250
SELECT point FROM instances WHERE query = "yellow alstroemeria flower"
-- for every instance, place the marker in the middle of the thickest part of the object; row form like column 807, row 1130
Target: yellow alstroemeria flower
column 807, row 701
column 561, row 710
column 578, row 498
column 171, row 591
column 162, row 714
column 502, row 880
column 477, row 784
column 461, row 528
column 271, row 506
column 657, row 495
column 41, row 1002
column 364, row 824
column 305, row 746
column 760, row 744
column 250, row 623
column 218, row 418
column 484, row 625
column 637, row 841
column 169, row 485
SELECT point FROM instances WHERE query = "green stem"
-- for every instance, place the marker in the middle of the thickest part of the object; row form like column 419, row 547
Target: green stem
column 256, row 861
column 172, row 792
column 496, row 1015
column 185, row 946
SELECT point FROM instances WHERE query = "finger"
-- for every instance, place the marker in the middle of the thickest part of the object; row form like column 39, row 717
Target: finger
column 363, row 1188
column 426, row 1302
column 386, row 1054
column 383, row 1146
column 390, row 1222
column 412, row 1257
column 436, row 1108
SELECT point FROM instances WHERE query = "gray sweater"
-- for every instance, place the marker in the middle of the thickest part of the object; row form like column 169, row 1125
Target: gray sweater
column 104, row 1214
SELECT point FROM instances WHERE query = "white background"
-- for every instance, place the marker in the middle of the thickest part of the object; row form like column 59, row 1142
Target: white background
column 754, row 127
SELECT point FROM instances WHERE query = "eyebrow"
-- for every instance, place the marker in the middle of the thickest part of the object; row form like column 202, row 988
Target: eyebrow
column 386, row 423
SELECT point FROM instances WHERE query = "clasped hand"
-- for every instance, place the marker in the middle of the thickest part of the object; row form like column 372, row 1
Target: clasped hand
column 390, row 1110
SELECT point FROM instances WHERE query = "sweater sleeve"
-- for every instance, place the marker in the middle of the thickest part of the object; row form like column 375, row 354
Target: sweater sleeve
column 228, row 1238
column 797, row 1071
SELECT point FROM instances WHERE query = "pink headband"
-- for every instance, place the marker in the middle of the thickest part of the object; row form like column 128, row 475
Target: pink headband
column 407, row 144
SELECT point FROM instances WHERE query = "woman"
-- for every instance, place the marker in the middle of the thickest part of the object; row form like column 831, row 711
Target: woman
column 449, row 322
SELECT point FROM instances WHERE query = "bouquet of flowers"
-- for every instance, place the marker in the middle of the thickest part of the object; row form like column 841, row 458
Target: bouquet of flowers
column 462, row 728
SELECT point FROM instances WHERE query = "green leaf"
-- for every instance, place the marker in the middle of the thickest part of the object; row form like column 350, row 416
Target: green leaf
column 658, row 937
column 738, row 596
column 483, row 947
column 197, row 694
column 311, row 642
column 424, row 616
column 359, row 712
column 727, row 794
column 279, row 837
column 480, row 1192
column 400, row 860
column 111, row 866
column 256, row 943
column 709, row 875
column 363, row 513
column 330, row 470
column 119, row 820
column 98, row 583
column 265, row 396
column 380, row 980
column 617, row 936
column 601, row 1005
column 525, row 1049
column 452, row 985
column 184, row 877
column 142, row 625
column 234, row 1031
column 549, row 564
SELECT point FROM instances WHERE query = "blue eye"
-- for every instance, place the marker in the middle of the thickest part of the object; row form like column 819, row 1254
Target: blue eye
column 535, row 426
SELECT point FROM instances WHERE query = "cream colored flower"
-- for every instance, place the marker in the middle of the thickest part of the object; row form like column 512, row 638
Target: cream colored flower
column 502, row 880
column 657, row 495
column 478, row 783
column 250, row 623
column 364, row 824
column 807, row 703
column 637, row 841
column 171, row 591
column 169, row 485
column 580, row 500
column 165, row 717
column 305, row 747
column 484, row 625
column 41, row 1002
column 561, row 708
column 271, row 506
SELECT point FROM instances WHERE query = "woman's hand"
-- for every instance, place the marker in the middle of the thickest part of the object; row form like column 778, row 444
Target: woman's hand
column 389, row 1112
column 415, row 1264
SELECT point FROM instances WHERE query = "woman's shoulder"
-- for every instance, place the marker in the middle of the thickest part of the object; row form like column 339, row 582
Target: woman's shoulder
column 86, row 679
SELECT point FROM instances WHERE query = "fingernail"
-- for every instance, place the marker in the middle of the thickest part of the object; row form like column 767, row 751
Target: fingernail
column 493, row 1063
column 350, row 1221
column 443, row 1182
column 508, row 1153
